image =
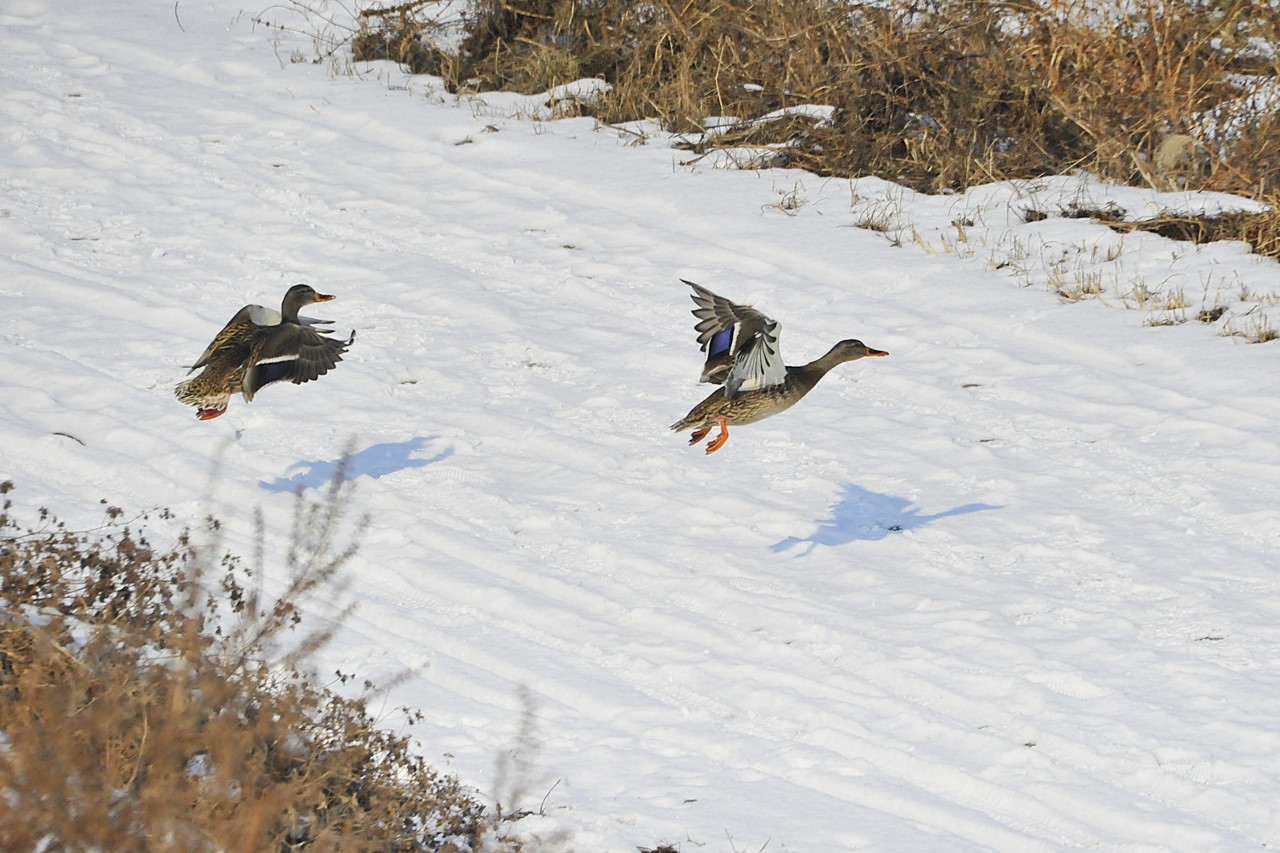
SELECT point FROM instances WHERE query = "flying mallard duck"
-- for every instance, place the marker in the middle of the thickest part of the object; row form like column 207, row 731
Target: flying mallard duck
column 742, row 355
column 259, row 346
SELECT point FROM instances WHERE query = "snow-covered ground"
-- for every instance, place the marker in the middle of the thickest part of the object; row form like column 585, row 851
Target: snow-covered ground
column 1015, row 587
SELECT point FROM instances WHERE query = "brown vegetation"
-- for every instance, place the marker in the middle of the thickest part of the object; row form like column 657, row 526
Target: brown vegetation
column 939, row 95
column 151, row 700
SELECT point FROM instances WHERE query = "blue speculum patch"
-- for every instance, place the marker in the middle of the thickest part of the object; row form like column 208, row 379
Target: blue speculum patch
column 274, row 372
column 720, row 342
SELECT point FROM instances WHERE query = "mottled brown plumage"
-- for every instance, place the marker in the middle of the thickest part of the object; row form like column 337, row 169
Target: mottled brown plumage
column 258, row 347
column 742, row 354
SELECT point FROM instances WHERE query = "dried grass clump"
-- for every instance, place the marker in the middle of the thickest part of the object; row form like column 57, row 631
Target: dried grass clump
column 406, row 34
column 1154, row 88
column 143, row 709
column 939, row 95
column 526, row 46
column 945, row 94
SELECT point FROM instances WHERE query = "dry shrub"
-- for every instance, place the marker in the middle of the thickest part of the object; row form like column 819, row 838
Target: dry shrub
column 936, row 94
column 945, row 94
column 524, row 46
column 1141, row 83
column 405, row 34
column 939, row 94
column 143, row 709
column 737, row 58
column 527, row 47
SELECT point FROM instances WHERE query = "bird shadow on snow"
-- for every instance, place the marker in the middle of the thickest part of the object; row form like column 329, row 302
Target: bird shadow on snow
column 861, row 514
column 374, row 461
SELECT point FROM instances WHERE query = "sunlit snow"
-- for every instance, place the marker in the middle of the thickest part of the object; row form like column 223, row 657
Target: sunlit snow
column 1015, row 587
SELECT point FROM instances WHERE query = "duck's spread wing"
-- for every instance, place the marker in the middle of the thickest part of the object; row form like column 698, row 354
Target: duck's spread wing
column 234, row 333
column 726, row 331
column 758, row 363
column 313, row 323
column 294, row 354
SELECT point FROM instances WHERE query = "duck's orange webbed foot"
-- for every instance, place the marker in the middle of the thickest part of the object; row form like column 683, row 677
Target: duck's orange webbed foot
column 699, row 434
column 209, row 414
column 718, row 442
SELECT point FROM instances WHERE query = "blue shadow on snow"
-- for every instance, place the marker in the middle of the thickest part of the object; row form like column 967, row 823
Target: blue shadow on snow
column 374, row 461
column 861, row 514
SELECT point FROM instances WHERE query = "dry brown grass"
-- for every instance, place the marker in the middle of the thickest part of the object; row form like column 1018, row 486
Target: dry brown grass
column 939, row 95
column 152, row 700
column 403, row 34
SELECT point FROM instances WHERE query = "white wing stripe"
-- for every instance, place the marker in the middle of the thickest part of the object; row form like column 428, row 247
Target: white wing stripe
column 289, row 356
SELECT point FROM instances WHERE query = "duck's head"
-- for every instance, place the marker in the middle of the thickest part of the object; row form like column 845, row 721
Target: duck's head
column 851, row 349
column 297, row 297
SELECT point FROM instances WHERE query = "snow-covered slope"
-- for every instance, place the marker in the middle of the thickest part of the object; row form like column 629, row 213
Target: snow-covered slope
column 1015, row 587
